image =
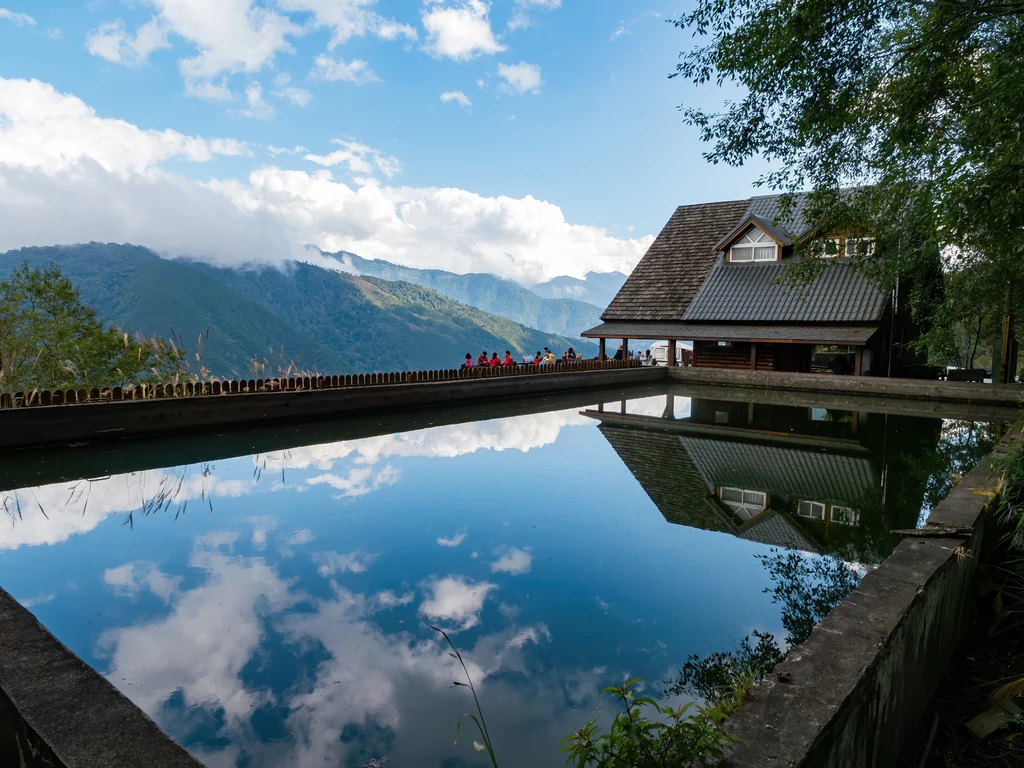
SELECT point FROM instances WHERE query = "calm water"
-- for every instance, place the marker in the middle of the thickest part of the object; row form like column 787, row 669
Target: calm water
column 274, row 609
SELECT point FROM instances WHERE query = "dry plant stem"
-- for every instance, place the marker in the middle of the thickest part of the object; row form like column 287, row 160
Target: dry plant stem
column 482, row 723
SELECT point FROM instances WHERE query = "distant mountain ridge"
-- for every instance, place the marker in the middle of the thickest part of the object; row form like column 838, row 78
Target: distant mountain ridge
column 334, row 321
column 597, row 288
column 564, row 316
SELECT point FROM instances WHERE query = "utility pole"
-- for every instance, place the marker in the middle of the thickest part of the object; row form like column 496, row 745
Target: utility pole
column 1006, row 356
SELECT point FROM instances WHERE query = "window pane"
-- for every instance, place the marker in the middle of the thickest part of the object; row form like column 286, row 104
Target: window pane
column 732, row 494
column 764, row 253
column 741, row 253
column 754, row 497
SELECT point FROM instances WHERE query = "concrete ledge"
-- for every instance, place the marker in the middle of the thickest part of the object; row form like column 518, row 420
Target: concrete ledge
column 92, row 422
column 867, row 673
column 921, row 389
column 57, row 712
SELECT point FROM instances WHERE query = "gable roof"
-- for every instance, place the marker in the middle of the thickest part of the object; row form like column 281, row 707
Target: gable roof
column 776, row 233
column 749, row 293
column 668, row 276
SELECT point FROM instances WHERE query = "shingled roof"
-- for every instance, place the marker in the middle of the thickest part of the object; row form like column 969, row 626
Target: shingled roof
column 667, row 278
column 750, row 293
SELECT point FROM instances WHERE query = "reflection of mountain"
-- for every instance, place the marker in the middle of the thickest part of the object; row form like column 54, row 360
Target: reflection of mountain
column 800, row 478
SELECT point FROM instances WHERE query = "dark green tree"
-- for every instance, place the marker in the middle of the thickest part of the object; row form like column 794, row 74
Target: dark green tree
column 915, row 104
column 50, row 340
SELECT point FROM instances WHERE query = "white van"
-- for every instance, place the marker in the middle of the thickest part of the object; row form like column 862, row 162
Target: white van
column 659, row 352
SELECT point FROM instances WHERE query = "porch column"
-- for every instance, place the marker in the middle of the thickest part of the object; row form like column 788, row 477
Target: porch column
column 671, row 353
column 625, row 349
column 857, row 360
column 753, row 356
column 670, row 407
column 601, row 349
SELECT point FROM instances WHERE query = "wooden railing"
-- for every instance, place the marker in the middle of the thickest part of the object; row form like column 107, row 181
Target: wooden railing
column 293, row 384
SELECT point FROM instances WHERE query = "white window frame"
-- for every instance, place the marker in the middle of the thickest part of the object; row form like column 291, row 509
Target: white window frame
column 824, row 248
column 752, row 503
column 852, row 515
column 753, row 247
column 813, row 508
column 869, row 251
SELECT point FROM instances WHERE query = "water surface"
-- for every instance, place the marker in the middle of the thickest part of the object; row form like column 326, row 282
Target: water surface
column 274, row 609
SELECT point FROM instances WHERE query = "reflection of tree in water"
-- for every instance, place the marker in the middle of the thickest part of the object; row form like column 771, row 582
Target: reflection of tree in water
column 173, row 490
column 962, row 444
column 807, row 588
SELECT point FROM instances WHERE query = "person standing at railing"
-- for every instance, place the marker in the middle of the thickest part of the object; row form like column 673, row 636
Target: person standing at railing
column 482, row 359
column 495, row 361
column 537, row 358
column 469, row 361
column 508, row 358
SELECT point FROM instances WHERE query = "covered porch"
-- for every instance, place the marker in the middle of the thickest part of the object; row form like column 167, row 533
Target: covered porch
column 842, row 350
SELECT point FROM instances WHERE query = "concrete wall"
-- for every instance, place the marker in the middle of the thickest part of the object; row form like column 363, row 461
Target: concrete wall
column 866, row 675
column 57, row 712
column 88, row 422
column 920, row 389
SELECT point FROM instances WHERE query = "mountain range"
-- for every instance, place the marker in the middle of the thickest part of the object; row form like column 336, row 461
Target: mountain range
column 324, row 319
column 597, row 288
column 564, row 316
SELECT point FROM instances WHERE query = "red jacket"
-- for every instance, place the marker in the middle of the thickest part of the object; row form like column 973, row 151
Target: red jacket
column 494, row 362
column 509, row 360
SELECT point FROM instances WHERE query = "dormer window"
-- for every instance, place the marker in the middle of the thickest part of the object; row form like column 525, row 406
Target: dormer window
column 860, row 246
column 755, row 245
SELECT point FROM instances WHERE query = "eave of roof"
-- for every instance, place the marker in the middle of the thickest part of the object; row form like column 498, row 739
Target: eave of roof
column 852, row 335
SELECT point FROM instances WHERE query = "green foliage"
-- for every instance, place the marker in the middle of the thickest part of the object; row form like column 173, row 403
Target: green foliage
column 1010, row 509
column 323, row 320
column 672, row 736
column 724, row 678
column 919, row 100
column 50, row 339
column 807, row 589
column 963, row 324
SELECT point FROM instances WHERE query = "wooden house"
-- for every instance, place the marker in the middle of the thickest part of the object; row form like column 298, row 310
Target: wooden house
column 713, row 277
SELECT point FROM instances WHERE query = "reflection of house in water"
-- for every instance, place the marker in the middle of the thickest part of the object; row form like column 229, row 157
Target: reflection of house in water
column 799, row 478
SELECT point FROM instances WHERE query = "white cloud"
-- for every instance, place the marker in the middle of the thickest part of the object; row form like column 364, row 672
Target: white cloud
column 301, row 537
column 208, row 90
column 520, row 78
column 454, row 541
column 262, row 525
column 68, row 176
column 258, row 109
column 458, row 97
column 50, row 131
column 30, row 602
column 130, row 579
column 460, row 32
column 300, row 97
column 619, row 32
column 521, row 19
column 298, row 149
column 330, row 563
column 349, row 18
column 515, row 561
column 358, row 482
column 356, row 71
column 110, row 41
column 546, row 5
column 386, row 600
column 358, row 158
column 20, row 19
column 481, row 84
column 454, row 598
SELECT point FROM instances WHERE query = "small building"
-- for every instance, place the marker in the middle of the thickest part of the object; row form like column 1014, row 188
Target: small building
column 713, row 277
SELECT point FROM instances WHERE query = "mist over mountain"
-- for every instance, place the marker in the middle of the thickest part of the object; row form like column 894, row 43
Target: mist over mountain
column 564, row 316
column 330, row 320
column 597, row 288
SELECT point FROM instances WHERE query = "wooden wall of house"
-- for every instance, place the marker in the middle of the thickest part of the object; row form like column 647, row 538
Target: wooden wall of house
column 707, row 354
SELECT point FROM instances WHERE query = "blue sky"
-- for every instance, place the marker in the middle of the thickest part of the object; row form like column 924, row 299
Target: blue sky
column 547, row 100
